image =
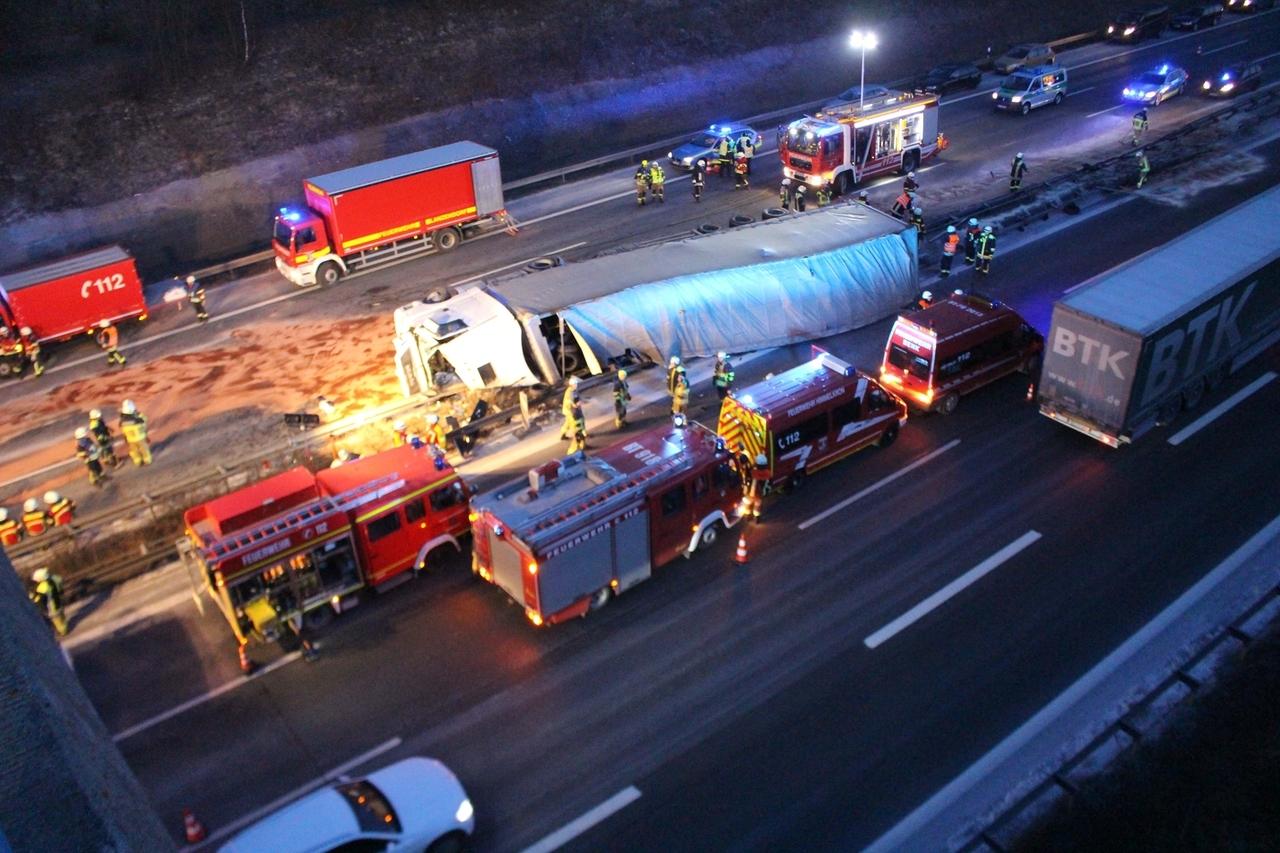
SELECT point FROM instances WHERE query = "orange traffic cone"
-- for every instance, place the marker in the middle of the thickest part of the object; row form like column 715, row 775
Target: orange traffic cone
column 741, row 557
column 193, row 827
column 246, row 665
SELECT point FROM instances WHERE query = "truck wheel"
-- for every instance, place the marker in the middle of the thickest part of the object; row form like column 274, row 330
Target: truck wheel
column 328, row 274
column 1168, row 411
column 947, row 405
column 600, row 598
column 318, row 618
column 889, row 436
column 1192, row 394
column 910, row 161
column 709, row 535
column 842, row 183
column 1030, row 366
column 6, row 369
column 446, row 239
column 797, row 481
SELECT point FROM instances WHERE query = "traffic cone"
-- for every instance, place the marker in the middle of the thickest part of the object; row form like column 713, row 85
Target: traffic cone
column 741, row 557
column 246, row 665
column 193, row 827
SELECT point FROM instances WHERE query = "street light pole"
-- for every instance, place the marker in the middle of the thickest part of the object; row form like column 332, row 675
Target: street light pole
column 862, row 41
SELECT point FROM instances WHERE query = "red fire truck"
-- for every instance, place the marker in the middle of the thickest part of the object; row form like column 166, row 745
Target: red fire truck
column 585, row 528
column 299, row 544
column 808, row 417
column 846, row 144
column 388, row 210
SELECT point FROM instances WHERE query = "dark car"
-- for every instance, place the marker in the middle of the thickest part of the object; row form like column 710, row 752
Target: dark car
column 1197, row 16
column 1233, row 80
column 1139, row 24
column 1249, row 5
column 947, row 78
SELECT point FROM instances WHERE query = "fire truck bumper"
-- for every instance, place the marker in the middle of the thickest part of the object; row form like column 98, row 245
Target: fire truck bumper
column 298, row 275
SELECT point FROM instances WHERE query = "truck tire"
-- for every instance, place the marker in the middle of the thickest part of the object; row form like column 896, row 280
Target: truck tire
column 446, row 239
column 772, row 213
column 454, row 842
column 708, row 228
column 316, row 619
column 843, row 183
column 708, row 537
column 328, row 274
column 739, row 219
column 947, row 405
column 600, row 598
column 889, row 436
column 539, row 264
column 910, row 161
column 6, row 369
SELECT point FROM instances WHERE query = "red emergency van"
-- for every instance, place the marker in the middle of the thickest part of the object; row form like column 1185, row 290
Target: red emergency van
column 957, row 345
column 297, row 544
column 580, row 530
column 808, row 417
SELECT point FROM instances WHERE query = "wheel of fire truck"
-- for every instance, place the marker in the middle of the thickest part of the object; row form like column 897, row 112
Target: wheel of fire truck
column 328, row 274
column 798, row 479
column 446, row 239
column 709, row 535
column 910, row 161
column 318, row 618
column 539, row 264
column 600, row 598
column 843, row 182
column 7, row 369
column 947, row 404
column 889, row 436
column 1030, row 365
column 1192, row 393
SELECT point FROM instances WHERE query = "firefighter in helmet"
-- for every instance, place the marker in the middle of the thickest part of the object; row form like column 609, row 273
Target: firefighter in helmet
column 722, row 376
column 621, row 397
column 46, row 594
column 103, row 437
column 642, row 182
column 134, row 426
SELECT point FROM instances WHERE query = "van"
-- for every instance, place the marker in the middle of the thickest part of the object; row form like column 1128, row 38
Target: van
column 1024, row 90
column 955, row 346
column 809, row 417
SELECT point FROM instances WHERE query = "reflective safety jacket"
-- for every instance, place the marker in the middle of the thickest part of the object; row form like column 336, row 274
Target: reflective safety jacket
column 10, row 532
column 61, row 511
column 987, row 245
column 36, row 521
column 952, row 243
column 134, row 427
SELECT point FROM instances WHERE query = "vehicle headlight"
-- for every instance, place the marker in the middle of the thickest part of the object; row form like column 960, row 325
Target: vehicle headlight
column 1017, row 99
column 1110, row 30
column 1247, row 3
column 814, row 180
column 995, row 96
column 1149, row 95
column 788, row 172
column 1227, row 87
column 465, row 812
column 1206, row 86
column 688, row 161
column 1129, row 30
column 1128, row 92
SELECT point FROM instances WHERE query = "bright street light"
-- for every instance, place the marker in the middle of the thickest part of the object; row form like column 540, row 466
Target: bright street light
column 862, row 41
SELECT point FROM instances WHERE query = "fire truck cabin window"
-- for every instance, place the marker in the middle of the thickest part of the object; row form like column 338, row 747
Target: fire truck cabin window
column 414, row 510
column 673, row 500
column 384, row 527
column 306, row 236
column 442, row 499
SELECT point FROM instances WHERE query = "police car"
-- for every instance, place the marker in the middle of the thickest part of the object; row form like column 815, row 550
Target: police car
column 705, row 145
column 1157, row 85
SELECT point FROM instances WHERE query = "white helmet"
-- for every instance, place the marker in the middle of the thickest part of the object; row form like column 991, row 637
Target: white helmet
column 433, row 419
column 1137, row 153
column 927, row 296
column 51, row 497
column 399, row 426
column 82, row 432
column 191, row 279
column 762, row 460
column 957, row 292
column 917, row 211
column 128, row 408
column 675, row 359
column 25, row 331
column 4, row 514
column 40, row 575
column 722, row 355
column 1019, row 157
column 911, row 175
column 573, row 381
column 95, row 414
column 31, row 505
column 622, row 374
column 102, row 324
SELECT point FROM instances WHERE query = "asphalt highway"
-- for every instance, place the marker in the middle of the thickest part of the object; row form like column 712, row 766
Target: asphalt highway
column 744, row 704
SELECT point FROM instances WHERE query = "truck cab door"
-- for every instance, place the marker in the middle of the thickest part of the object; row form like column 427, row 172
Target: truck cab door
column 670, row 522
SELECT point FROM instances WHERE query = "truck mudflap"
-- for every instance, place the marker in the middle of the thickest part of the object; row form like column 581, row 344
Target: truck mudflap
column 1081, row 425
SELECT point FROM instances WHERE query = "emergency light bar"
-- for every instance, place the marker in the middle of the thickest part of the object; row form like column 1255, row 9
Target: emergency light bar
column 830, row 362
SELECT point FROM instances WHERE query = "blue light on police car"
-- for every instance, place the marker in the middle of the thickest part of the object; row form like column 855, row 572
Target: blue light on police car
column 1226, row 77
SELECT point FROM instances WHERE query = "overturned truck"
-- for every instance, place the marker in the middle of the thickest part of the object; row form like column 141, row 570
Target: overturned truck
column 775, row 282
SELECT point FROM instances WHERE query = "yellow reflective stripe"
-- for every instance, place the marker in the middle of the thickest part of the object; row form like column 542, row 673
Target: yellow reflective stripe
column 406, row 498
column 381, row 235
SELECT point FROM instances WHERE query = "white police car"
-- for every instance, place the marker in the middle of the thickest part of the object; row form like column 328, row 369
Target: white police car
column 705, row 145
column 1157, row 85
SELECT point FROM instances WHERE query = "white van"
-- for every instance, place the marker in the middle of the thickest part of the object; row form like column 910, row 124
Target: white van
column 1028, row 88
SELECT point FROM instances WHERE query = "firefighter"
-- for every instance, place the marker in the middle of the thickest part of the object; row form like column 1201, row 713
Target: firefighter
column 699, row 180
column 1139, row 126
column 1017, row 169
column 747, row 149
column 824, row 195
column 785, row 195
column 986, row 250
column 104, row 438
column 910, row 185
column 740, row 180
column 800, row 198
column 971, row 241
column 10, row 529
column 436, row 435
column 87, row 451
column 722, row 376
column 578, row 441
column 902, row 205
column 34, row 518
column 680, row 394
column 60, row 509
column 567, row 402
column 134, row 426
column 949, row 246
column 47, row 595
column 400, row 434
column 724, row 156
column 673, row 367
column 657, row 178
column 642, row 182
column 1144, row 167
column 31, row 349
column 195, row 295
column 925, row 300
column 759, row 487
column 917, row 219
column 108, row 338
column 863, row 198
column 621, row 397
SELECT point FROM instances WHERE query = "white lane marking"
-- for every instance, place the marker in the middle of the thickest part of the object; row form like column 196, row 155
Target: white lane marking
column 107, row 628
column 940, row 597
column 1107, row 110
column 204, row 697
column 1081, row 91
column 333, row 775
column 827, row 513
column 1268, row 56
column 577, row 826
column 1226, row 47
column 1221, row 409
column 900, row 837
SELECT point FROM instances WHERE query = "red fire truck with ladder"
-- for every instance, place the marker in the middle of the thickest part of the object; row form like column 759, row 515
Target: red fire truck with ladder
column 585, row 528
column 849, row 143
column 298, row 545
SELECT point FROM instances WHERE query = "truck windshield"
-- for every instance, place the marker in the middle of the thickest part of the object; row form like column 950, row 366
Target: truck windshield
column 916, row 365
column 284, row 234
column 800, row 144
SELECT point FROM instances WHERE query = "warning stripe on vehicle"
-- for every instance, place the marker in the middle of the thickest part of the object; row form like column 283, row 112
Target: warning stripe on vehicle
column 740, row 427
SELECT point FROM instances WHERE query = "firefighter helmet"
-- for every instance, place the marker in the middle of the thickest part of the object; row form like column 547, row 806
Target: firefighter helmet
column 957, row 292
column 433, row 419
column 40, row 575
column 702, row 163
column 102, row 324
column 722, row 355
column 762, row 460
column 25, row 331
column 574, row 381
column 644, row 162
column 30, row 505
column 622, row 374
column 951, row 229
column 917, row 211
column 191, row 281
column 862, row 196
column 128, row 408
column 986, row 230
column 95, row 414
column 927, row 296
column 675, row 359
column 4, row 514
column 1019, row 156
column 399, row 426
column 973, row 223
column 82, row 432
column 1137, row 154
column 51, row 497
column 800, row 189
column 786, row 182
column 911, row 175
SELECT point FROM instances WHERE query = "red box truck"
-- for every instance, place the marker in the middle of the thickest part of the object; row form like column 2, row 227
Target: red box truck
column 67, row 297
column 385, row 211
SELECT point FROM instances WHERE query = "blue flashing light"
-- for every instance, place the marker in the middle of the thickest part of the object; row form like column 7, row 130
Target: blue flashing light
column 290, row 215
column 1226, row 77
column 1163, row 69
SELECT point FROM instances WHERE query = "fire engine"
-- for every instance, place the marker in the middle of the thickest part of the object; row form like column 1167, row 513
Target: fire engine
column 585, row 528
column 300, row 544
column 846, row 144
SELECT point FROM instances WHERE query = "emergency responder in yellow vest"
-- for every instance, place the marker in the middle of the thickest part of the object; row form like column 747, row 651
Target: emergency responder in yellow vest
column 578, row 441
column 740, row 180
column 31, row 349
column 747, row 149
column 971, row 235
column 102, row 435
column 949, row 247
column 642, row 182
column 109, row 339
column 699, row 180
column 986, row 250
column 722, row 375
column 1139, row 126
column 657, row 180
column 88, row 453
column 134, row 426
column 1017, row 169
column 680, row 394
column 195, row 295
column 621, row 397
column 724, row 156
column 60, row 509
column 824, row 195
column 47, row 595
column 673, row 365
column 1144, row 168
column 34, row 519
column 399, row 434
column 436, row 435
column 567, row 402
column 10, row 529
column 759, row 487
